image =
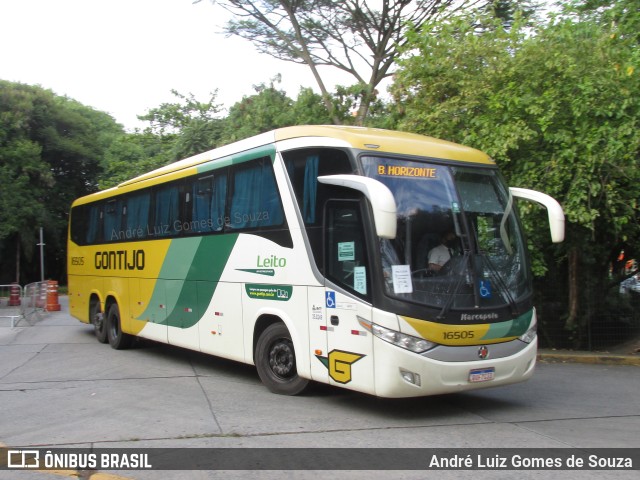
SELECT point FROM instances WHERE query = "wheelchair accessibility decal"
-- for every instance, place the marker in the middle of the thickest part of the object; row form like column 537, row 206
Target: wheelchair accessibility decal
column 331, row 299
column 339, row 364
column 485, row 288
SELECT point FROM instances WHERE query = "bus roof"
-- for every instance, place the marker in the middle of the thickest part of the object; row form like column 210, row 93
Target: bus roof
column 388, row 141
column 361, row 138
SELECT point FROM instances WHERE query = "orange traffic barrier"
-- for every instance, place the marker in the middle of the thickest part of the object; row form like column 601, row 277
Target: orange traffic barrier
column 52, row 296
column 14, row 295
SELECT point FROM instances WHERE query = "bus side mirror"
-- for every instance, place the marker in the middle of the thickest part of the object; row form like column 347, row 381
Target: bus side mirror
column 380, row 197
column 554, row 210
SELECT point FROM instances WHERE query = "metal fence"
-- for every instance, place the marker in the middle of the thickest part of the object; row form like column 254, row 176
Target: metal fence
column 612, row 324
column 19, row 303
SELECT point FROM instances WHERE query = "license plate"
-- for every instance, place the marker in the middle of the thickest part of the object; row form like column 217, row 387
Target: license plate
column 482, row 375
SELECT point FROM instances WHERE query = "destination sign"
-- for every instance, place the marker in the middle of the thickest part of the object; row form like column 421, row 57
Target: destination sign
column 405, row 171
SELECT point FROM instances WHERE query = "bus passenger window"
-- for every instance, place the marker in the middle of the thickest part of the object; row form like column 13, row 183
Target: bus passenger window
column 136, row 215
column 209, row 194
column 167, row 211
column 94, row 228
column 113, row 220
column 255, row 199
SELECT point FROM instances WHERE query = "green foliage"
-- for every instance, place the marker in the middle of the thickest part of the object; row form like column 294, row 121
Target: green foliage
column 132, row 155
column 172, row 118
column 268, row 109
column 185, row 128
column 554, row 118
column 557, row 107
column 309, row 109
column 51, row 151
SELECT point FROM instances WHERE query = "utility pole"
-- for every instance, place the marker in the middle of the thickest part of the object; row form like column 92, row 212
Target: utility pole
column 41, row 245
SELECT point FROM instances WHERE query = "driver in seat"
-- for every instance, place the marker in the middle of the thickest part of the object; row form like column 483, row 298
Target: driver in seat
column 442, row 253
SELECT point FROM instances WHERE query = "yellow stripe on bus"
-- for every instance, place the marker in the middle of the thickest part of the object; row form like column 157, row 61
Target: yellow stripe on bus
column 460, row 335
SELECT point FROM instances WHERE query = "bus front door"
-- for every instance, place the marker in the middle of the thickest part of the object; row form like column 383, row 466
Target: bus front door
column 349, row 358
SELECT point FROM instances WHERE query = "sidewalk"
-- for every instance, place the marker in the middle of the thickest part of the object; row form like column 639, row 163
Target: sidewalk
column 595, row 358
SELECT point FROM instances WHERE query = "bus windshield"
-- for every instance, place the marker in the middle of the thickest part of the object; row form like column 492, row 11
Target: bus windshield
column 459, row 245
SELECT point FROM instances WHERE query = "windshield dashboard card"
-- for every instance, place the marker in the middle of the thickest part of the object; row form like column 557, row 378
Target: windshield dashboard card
column 482, row 375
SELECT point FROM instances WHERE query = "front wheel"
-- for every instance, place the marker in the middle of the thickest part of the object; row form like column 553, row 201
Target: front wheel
column 117, row 338
column 275, row 360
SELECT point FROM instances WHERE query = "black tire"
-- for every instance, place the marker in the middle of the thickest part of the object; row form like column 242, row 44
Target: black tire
column 275, row 360
column 117, row 338
column 97, row 319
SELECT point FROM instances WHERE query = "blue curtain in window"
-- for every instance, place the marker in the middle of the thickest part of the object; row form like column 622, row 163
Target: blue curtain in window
column 138, row 214
column 256, row 201
column 167, row 204
column 218, row 200
column 113, row 220
column 310, row 188
column 209, row 196
column 93, row 230
column 202, row 193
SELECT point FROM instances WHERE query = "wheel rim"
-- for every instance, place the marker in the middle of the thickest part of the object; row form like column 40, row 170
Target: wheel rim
column 282, row 359
column 114, row 326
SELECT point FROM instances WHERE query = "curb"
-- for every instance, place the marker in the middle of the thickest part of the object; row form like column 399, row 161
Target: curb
column 593, row 358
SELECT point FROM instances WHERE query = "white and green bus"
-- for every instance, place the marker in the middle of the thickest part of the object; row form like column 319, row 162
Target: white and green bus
column 306, row 252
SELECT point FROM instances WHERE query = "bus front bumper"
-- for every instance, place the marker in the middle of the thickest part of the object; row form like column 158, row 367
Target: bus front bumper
column 401, row 373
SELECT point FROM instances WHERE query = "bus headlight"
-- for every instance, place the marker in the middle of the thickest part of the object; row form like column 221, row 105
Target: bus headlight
column 530, row 335
column 408, row 342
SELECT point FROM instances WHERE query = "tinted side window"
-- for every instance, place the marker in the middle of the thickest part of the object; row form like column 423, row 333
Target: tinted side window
column 86, row 224
column 113, row 219
column 208, row 199
column 255, row 200
column 136, row 215
column 304, row 167
column 235, row 199
column 167, row 211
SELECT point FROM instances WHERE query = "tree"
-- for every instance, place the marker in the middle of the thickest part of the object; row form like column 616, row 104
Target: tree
column 554, row 118
column 268, row 109
column 132, row 155
column 348, row 35
column 51, row 150
column 188, row 126
column 309, row 109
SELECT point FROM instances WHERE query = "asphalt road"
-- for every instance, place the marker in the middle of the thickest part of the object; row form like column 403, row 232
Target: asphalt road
column 60, row 388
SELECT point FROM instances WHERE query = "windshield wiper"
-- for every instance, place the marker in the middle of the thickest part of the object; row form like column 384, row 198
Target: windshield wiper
column 447, row 306
column 502, row 286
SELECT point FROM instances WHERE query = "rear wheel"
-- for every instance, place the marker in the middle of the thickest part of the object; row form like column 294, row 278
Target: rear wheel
column 117, row 338
column 97, row 319
column 275, row 360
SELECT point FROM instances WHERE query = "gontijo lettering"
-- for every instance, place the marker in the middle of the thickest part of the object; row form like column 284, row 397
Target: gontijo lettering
column 402, row 171
column 120, row 260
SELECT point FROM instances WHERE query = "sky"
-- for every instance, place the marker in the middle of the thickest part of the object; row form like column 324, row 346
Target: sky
column 124, row 57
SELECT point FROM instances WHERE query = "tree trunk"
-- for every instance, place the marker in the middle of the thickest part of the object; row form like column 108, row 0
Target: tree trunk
column 574, row 290
column 18, row 242
column 363, row 110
